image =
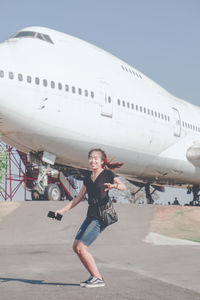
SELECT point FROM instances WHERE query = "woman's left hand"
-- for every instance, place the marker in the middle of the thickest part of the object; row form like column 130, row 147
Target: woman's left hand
column 109, row 186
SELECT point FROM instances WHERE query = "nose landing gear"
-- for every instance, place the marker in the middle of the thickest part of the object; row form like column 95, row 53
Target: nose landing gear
column 52, row 192
column 51, row 184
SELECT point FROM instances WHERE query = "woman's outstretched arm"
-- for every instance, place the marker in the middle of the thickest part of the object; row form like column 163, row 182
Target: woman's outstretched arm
column 74, row 202
column 117, row 184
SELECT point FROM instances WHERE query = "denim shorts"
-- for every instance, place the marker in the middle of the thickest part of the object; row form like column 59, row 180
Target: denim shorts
column 89, row 231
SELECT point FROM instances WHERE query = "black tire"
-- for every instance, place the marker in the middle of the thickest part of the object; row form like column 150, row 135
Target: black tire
column 52, row 192
column 35, row 195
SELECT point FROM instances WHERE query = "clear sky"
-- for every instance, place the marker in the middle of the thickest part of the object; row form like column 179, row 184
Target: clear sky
column 158, row 37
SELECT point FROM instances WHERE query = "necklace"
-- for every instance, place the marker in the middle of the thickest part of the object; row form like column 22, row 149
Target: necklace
column 95, row 175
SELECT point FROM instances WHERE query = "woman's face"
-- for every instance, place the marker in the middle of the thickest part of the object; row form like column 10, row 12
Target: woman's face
column 95, row 160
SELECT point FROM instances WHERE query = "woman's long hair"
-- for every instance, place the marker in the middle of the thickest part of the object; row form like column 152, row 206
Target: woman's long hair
column 107, row 164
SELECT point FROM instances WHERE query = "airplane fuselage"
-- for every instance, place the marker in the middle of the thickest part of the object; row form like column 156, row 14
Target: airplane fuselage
column 68, row 96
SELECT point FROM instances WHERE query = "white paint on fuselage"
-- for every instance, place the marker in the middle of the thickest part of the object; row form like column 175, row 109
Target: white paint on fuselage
column 67, row 124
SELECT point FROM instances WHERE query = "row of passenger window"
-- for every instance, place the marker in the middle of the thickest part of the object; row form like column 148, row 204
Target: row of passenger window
column 52, row 84
column 190, row 126
column 143, row 110
column 155, row 114
column 131, row 71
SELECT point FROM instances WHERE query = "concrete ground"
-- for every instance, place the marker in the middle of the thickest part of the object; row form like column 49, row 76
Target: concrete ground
column 37, row 261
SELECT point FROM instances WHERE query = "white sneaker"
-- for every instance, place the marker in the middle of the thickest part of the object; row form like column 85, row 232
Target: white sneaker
column 94, row 282
column 86, row 281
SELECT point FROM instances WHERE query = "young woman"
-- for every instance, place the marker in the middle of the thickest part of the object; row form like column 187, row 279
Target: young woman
column 97, row 184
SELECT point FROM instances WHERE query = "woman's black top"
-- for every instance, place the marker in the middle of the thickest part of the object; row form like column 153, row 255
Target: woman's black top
column 96, row 191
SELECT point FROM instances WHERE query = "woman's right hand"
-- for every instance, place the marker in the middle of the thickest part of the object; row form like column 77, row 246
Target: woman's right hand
column 59, row 212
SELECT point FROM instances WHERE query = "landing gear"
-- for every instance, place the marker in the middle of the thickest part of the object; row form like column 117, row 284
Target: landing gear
column 149, row 194
column 36, row 196
column 51, row 184
column 149, row 191
column 195, row 191
column 52, row 192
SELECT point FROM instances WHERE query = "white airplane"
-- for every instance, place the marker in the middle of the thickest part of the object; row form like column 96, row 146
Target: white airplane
column 61, row 96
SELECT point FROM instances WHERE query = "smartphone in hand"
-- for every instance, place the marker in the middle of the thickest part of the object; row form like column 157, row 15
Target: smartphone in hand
column 51, row 214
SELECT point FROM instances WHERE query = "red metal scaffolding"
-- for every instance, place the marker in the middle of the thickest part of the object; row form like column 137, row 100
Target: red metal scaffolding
column 15, row 173
column 20, row 175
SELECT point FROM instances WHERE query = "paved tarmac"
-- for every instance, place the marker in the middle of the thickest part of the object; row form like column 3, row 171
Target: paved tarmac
column 37, row 261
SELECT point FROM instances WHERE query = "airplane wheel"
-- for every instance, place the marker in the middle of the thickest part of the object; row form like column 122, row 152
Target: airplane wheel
column 52, row 192
column 35, row 195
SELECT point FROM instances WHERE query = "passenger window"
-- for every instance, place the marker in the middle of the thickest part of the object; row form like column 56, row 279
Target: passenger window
column 44, row 82
column 148, row 111
column 152, row 112
column 136, row 107
column 73, row 90
column 141, row 108
column 132, row 105
column 60, row 86
column 109, row 99
column 52, row 84
column 145, row 110
column 158, row 115
column 168, row 118
column 80, row 91
column 128, row 104
column 86, row 93
column 123, row 103
column 155, row 114
column 20, row 77
column 118, row 101
column 37, row 80
column 29, row 79
column 165, row 118
column 11, row 75
column 66, row 87
column 1, row 73
column 162, row 116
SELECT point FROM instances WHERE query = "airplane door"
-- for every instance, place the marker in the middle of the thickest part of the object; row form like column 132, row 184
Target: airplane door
column 176, row 122
column 106, row 100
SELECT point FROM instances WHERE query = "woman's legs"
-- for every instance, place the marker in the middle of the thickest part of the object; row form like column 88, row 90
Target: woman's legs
column 86, row 258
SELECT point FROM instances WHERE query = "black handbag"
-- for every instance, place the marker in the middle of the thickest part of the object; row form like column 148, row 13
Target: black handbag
column 108, row 214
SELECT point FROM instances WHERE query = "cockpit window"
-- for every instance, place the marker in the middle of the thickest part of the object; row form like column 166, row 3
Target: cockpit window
column 39, row 36
column 33, row 34
column 47, row 38
column 25, row 34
